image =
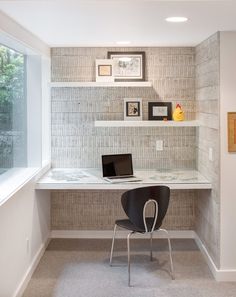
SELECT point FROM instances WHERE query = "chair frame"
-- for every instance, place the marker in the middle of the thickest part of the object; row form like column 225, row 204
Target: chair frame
column 151, row 239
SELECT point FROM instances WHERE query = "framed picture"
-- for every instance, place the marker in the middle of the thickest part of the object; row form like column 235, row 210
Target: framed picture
column 159, row 111
column 104, row 70
column 128, row 66
column 231, row 132
column 133, row 109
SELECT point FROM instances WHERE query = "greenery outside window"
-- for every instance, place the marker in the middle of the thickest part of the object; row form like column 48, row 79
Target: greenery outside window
column 13, row 110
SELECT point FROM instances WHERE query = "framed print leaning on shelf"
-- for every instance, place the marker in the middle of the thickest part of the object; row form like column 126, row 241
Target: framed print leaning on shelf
column 160, row 111
column 104, row 70
column 128, row 66
column 231, row 132
column 133, row 109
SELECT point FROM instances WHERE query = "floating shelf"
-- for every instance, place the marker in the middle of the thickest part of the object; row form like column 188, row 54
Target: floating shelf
column 100, row 84
column 146, row 124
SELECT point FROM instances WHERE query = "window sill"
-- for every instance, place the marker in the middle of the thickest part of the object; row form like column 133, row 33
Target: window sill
column 14, row 179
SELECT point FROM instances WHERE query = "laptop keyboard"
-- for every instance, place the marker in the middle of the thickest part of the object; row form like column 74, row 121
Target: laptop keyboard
column 123, row 179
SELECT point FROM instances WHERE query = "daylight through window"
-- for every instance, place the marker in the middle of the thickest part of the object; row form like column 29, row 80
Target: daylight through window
column 13, row 110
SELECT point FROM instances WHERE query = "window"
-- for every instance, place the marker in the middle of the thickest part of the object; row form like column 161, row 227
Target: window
column 13, row 110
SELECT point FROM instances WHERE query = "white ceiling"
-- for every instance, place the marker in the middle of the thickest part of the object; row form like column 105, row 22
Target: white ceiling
column 103, row 22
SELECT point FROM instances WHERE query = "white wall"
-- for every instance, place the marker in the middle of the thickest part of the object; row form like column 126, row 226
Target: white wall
column 227, row 160
column 26, row 215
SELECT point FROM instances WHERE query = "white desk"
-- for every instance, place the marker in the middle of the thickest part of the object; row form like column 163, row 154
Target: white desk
column 91, row 179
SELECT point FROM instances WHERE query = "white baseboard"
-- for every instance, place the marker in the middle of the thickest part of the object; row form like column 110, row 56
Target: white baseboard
column 27, row 276
column 120, row 234
column 222, row 275
column 226, row 275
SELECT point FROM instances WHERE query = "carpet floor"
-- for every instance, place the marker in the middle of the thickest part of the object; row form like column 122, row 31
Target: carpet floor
column 79, row 268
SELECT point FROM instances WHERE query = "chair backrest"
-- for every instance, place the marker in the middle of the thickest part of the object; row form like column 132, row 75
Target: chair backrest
column 133, row 202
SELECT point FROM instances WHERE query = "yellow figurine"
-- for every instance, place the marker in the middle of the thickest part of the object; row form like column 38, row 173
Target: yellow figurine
column 178, row 114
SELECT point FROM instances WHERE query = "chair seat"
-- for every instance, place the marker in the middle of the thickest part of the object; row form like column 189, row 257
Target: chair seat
column 126, row 224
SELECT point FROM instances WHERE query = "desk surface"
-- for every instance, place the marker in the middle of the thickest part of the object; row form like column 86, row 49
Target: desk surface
column 91, row 179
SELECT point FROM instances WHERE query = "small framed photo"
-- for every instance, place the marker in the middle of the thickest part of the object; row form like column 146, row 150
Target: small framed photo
column 104, row 70
column 231, row 132
column 128, row 66
column 133, row 109
column 160, row 111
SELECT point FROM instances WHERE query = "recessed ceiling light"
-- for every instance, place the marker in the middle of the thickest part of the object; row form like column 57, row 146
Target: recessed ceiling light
column 123, row 42
column 177, row 19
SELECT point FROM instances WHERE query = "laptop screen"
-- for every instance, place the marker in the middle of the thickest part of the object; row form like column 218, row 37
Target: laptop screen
column 117, row 165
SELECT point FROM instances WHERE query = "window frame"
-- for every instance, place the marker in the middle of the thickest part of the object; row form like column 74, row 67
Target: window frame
column 38, row 110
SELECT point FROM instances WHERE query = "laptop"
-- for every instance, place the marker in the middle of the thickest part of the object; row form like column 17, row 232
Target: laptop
column 118, row 168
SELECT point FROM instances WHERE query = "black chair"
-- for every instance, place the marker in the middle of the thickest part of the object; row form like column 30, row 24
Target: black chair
column 134, row 203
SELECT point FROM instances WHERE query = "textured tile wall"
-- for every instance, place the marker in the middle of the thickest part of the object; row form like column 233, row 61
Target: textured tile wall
column 207, row 105
column 98, row 210
column 75, row 140
column 77, row 143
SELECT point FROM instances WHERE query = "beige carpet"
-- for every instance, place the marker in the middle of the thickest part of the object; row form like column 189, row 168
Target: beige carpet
column 79, row 268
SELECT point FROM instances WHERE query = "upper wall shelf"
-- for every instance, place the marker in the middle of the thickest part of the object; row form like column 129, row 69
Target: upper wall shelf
column 146, row 124
column 100, row 84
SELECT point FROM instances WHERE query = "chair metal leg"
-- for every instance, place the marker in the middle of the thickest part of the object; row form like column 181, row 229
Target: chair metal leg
column 170, row 252
column 128, row 252
column 151, row 258
column 112, row 245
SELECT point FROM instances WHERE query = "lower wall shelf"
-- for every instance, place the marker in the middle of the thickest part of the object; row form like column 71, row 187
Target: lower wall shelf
column 194, row 123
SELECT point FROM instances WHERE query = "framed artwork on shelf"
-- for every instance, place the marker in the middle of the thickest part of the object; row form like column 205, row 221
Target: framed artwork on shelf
column 104, row 70
column 160, row 111
column 133, row 109
column 231, row 132
column 128, row 66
